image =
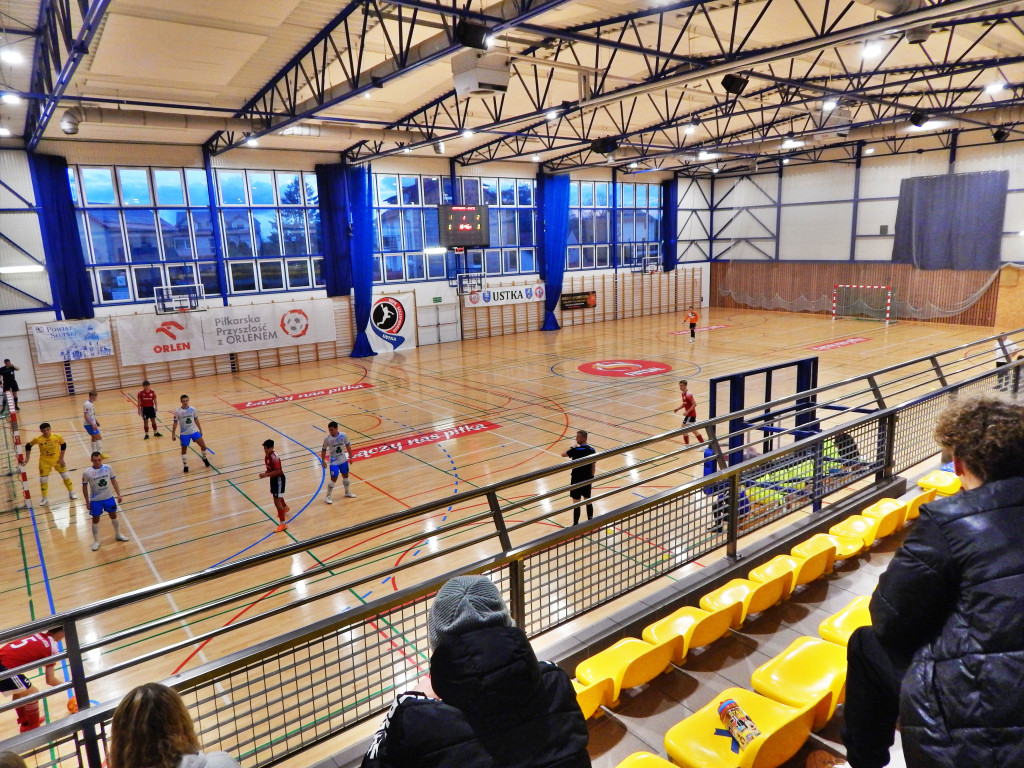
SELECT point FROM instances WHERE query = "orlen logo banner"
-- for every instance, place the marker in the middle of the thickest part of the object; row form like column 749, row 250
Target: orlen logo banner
column 624, row 368
column 183, row 335
column 392, row 323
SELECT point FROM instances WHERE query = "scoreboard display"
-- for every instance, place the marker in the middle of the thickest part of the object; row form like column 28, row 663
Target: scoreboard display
column 464, row 226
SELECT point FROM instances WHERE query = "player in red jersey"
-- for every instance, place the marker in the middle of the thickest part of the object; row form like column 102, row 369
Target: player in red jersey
column 689, row 407
column 147, row 409
column 25, row 651
column 276, row 475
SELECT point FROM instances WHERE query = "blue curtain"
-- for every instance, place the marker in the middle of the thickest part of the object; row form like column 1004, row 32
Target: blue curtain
column 954, row 221
column 553, row 218
column 669, row 224
column 346, row 215
column 65, row 262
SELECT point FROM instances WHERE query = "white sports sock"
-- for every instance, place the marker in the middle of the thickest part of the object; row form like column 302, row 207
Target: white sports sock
column 97, row 445
column 344, row 481
column 96, row 531
column 184, row 459
column 117, row 526
column 330, row 486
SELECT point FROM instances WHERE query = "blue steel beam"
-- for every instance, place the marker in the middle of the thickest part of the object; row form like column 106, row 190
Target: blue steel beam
column 60, row 48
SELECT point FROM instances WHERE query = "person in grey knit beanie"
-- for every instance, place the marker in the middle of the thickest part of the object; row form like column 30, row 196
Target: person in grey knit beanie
column 463, row 604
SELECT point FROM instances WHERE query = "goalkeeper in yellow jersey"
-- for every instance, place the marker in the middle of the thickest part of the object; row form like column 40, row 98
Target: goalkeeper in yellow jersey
column 51, row 456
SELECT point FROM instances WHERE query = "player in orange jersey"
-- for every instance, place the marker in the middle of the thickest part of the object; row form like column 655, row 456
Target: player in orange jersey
column 692, row 318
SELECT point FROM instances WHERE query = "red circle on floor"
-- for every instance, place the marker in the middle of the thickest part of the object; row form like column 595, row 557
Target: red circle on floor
column 624, row 368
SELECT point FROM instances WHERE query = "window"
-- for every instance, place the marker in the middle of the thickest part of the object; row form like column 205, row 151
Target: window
column 98, row 185
column 243, row 276
column 637, row 221
column 168, row 187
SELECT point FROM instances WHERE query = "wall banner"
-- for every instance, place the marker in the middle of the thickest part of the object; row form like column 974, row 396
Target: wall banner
column 582, row 300
column 72, row 340
column 519, row 294
column 157, row 338
column 392, row 323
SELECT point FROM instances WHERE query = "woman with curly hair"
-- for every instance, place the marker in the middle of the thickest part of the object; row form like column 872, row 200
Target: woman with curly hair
column 152, row 729
column 945, row 649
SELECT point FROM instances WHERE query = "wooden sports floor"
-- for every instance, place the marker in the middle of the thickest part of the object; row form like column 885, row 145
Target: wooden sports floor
column 528, row 387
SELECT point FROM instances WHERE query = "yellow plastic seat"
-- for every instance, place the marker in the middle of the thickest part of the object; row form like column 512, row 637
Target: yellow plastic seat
column 846, row 546
column 594, row 696
column 701, row 741
column 644, row 760
column 838, row 627
column 809, row 670
column 891, row 512
column 694, row 628
column 914, row 505
column 804, row 570
column 782, row 566
column 628, row 663
column 753, row 596
column 944, row 483
column 815, row 545
column 858, row 525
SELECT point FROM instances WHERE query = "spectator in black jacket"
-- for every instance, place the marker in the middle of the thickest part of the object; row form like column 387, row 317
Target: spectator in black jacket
column 498, row 708
column 945, row 650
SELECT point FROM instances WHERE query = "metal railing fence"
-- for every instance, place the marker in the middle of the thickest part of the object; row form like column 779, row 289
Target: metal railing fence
column 349, row 656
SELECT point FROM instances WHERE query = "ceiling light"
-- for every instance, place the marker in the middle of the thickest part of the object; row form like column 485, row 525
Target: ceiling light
column 11, row 98
column 5, row 131
column 466, row 133
column 406, row 150
column 7, row 56
column 536, row 158
column 366, row 94
column 18, row 270
column 828, row 106
column 785, row 161
column 999, row 135
column 918, row 118
column 792, row 144
column 634, row 165
column 872, row 49
column 551, row 116
column 869, row 151
column 993, row 88
column 251, row 142
column 705, row 155
column 715, row 169
column 690, row 129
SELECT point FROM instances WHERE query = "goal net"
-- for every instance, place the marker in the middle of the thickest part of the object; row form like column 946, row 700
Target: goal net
column 865, row 302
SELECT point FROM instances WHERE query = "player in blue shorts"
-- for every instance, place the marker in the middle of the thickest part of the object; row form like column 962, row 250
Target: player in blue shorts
column 187, row 418
column 334, row 456
column 102, row 494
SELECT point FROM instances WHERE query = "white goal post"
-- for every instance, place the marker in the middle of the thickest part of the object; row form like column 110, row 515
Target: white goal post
column 870, row 302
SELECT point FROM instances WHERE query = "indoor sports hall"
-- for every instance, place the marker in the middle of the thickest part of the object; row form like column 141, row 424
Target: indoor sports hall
column 464, row 234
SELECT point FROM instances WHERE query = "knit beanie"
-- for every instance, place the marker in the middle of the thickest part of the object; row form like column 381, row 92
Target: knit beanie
column 463, row 604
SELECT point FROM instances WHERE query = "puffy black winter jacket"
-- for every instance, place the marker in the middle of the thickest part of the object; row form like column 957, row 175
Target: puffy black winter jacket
column 953, row 596
column 499, row 708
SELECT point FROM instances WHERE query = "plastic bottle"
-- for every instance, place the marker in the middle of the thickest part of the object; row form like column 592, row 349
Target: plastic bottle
column 738, row 722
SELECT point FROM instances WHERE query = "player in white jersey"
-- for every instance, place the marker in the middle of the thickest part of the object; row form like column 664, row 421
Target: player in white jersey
column 102, row 494
column 92, row 426
column 334, row 456
column 187, row 418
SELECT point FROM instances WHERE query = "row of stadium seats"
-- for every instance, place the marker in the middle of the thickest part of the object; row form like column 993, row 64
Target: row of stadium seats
column 797, row 691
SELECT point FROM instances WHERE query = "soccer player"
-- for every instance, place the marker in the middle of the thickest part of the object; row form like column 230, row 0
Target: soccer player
column 692, row 318
column 689, row 406
column 97, row 482
column 92, row 426
column 51, row 456
column 187, row 418
column 10, row 384
column 147, row 409
column 25, row 651
column 334, row 455
column 579, row 473
column 277, row 482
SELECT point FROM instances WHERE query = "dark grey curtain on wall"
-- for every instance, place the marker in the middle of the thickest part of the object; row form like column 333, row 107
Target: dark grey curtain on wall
column 953, row 221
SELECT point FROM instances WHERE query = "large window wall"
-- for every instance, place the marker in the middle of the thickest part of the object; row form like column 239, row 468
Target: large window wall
column 407, row 244
column 638, row 224
column 142, row 228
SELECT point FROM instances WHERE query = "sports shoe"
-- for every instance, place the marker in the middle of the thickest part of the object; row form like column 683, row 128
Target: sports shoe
column 122, row 537
column 157, row 434
column 281, row 528
column 104, row 456
column 349, row 495
column 692, row 340
column 328, row 499
column 206, row 461
column 146, row 437
column 95, row 546
column 44, row 501
column 72, row 495
column 821, row 758
column 185, row 468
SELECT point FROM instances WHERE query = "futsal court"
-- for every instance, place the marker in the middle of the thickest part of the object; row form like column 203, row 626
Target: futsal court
column 424, row 424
